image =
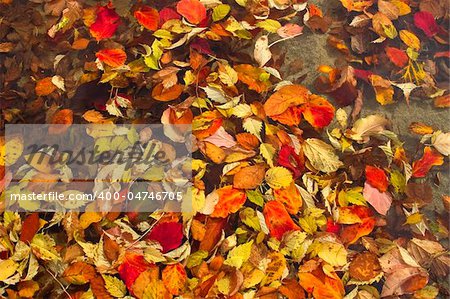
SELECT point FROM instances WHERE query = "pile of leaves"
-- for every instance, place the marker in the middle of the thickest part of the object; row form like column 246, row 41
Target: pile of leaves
column 286, row 203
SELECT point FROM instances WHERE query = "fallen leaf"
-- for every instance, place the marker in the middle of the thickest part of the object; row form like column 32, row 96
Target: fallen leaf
column 249, row 177
column 430, row 158
column 174, row 278
column 105, row 24
column 230, row 201
column 381, row 201
column 426, row 22
column 285, row 97
column 377, row 178
column 193, row 10
column 148, row 17
column 168, row 234
column 278, row 220
column 79, row 273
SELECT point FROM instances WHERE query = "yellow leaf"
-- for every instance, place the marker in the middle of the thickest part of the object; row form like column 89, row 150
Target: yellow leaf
column 10, row 150
column 8, row 268
column 43, row 247
column 278, row 177
column 275, row 268
column 410, row 39
column 227, row 74
column 239, row 255
column 269, row 25
column 88, row 218
column 403, row 8
column 114, row 286
column 414, row 218
column 321, row 155
column 333, row 253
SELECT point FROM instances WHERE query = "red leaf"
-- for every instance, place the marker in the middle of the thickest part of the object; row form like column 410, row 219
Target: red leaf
column 277, row 219
column 148, row 17
column 397, row 56
column 112, row 57
column 134, row 264
column 333, row 227
column 377, row 178
column 29, row 227
column 425, row 21
column 193, row 10
column 430, row 158
column 167, row 14
column 105, row 24
column 168, row 234
column 289, row 159
column 318, row 111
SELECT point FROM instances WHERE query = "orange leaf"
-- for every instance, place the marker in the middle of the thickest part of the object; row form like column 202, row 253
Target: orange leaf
column 230, row 201
column 291, row 117
column 174, row 278
column 28, row 288
column 277, row 219
column 290, row 197
column 80, row 44
column 252, row 76
column 291, row 289
column 318, row 111
column 213, row 233
column 44, row 87
column 112, row 57
column 167, row 94
column 377, row 178
column 249, row 177
column 430, row 158
column 148, row 17
column 193, row 10
column 62, row 117
column 79, row 273
column 285, row 97
column 321, row 285
column 420, row 128
column 350, row 234
column 247, row 140
column 442, row 101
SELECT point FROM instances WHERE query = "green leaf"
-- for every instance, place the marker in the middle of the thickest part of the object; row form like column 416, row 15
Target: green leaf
column 255, row 197
column 220, row 12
